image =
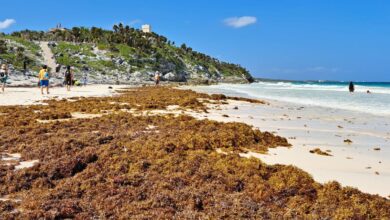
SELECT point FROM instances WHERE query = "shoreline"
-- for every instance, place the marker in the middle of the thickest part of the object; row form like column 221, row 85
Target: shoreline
column 363, row 164
column 305, row 127
column 143, row 149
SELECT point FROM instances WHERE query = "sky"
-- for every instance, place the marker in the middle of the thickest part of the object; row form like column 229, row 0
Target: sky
column 278, row 39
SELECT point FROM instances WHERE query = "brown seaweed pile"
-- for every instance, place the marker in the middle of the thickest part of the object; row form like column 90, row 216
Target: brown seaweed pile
column 122, row 166
column 320, row 152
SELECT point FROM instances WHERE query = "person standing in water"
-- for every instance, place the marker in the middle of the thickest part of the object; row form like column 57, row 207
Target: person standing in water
column 351, row 87
column 44, row 79
column 68, row 78
column 3, row 76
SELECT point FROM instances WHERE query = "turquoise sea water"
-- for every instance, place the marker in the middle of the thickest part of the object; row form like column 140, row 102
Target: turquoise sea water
column 326, row 94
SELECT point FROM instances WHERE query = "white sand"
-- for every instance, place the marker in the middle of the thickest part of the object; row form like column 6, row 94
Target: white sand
column 28, row 96
column 16, row 159
column 357, row 164
column 26, row 164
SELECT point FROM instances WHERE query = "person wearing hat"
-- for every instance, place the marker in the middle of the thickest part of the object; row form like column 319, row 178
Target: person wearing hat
column 3, row 76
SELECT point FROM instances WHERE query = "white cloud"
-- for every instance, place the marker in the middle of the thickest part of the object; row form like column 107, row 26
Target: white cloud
column 238, row 22
column 316, row 68
column 312, row 69
column 322, row 69
column 6, row 23
column 134, row 22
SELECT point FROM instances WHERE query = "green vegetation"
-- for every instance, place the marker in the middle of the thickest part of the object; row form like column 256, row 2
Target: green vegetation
column 125, row 50
column 142, row 50
column 18, row 51
column 28, row 45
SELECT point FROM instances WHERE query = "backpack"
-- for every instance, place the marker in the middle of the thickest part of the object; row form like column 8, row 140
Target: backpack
column 46, row 76
column 67, row 74
column 3, row 73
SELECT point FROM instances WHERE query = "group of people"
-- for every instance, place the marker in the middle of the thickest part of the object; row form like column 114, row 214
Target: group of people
column 44, row 78
column 351, row 88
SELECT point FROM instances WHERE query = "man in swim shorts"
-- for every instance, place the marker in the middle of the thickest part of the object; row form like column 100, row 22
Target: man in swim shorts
column 44, row 79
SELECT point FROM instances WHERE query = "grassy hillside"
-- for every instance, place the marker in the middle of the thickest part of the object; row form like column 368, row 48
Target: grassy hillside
column 17, row 51
column 129, row 53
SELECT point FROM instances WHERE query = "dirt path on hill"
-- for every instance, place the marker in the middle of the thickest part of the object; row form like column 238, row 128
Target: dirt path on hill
column 48, row 56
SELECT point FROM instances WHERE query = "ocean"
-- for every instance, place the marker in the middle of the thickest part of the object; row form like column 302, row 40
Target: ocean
column 318, row 93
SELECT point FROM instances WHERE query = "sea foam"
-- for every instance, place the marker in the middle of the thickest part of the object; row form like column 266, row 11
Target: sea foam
column 325, row 94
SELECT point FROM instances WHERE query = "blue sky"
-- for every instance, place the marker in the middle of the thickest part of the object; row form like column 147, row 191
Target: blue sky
column 295, row 39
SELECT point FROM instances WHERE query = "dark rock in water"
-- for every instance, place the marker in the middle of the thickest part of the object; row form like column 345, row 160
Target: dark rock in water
column 110, row 87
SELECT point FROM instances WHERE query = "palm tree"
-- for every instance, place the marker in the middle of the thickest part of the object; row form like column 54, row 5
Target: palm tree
column 76, row 33
column 121, row 28
column 96, row 33
column 115, row 28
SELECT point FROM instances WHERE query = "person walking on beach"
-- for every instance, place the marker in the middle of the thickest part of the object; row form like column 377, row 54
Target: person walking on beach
column 44, row 79
column 85, row 78
column 351, row 87
column 25, row 62
column 157, row 78
column 68, row 77
column 3, row 76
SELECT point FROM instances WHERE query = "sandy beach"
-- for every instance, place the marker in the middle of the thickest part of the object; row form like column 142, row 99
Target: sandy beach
column 29, row 95
column 141, row 153
column 364, row 163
